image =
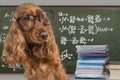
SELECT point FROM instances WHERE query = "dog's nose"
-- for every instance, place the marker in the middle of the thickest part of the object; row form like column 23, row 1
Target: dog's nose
column 44, row 35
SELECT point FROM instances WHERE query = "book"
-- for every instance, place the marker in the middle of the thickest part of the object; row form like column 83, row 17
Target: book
column 89, row 51
column 93, row 54
column 91, row 61
column 78, row 78
column 92, row 47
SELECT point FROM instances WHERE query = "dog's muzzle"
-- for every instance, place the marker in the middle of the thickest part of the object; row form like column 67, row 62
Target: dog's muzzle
column 43, row 35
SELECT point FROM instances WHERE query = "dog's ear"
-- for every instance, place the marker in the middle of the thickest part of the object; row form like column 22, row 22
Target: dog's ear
column 14, row 45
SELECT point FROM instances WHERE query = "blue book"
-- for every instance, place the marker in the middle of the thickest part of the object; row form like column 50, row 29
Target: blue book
column 90, row 64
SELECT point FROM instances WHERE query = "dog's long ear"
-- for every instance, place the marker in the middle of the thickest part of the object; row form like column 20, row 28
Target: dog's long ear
column 14, row 45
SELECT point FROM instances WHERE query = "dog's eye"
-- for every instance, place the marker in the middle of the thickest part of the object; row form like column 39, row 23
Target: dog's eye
column 40, row 16
column 28, row 17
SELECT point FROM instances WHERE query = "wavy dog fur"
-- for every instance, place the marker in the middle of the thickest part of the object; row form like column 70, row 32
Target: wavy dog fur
column 44, row 63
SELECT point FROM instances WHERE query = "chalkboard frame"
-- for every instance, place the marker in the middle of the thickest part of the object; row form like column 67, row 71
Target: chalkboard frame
column 102, row 6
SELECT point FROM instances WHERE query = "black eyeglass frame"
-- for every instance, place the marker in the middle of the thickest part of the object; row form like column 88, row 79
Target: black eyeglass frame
column 38, row 16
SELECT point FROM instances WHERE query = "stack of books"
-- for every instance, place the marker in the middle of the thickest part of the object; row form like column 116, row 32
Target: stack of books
column 91, row 62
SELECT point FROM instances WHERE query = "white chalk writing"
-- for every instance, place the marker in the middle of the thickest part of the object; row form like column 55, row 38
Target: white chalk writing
column 78, row 26
column 65, row 55
column 2, row 37
column 68, row 25
column 92, row 19
column 5, row 27
column 17, row 66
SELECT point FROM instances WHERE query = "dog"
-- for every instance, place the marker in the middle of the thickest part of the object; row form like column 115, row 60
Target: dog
column 31, row 42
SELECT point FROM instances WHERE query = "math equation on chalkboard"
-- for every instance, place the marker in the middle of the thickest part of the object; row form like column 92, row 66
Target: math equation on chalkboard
column 91, row 29
column 78, row 26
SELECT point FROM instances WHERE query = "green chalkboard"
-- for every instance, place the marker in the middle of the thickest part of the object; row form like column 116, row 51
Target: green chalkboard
column 73, row 26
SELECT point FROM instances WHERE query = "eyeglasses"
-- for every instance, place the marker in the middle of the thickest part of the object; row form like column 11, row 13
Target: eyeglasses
column 27, row 22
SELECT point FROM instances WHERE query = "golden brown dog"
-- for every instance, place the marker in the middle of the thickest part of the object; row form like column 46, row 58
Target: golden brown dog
column 31, row 42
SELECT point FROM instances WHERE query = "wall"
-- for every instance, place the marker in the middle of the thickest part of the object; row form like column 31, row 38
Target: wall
column 63, row 2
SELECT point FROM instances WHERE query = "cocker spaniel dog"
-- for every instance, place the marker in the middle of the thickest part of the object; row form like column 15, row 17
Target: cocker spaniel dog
column 31, row 42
